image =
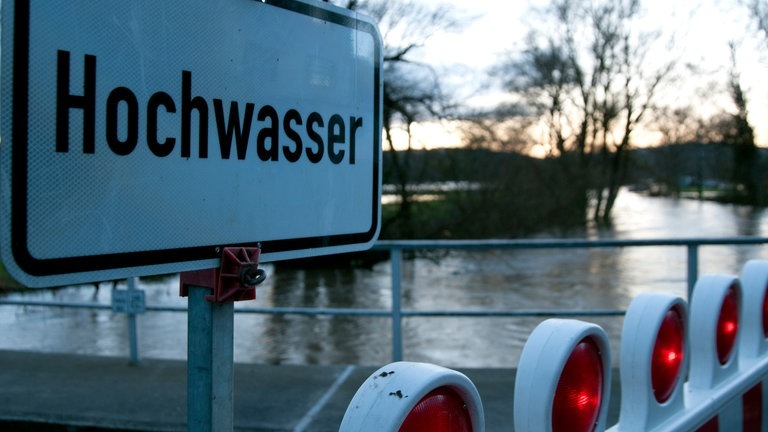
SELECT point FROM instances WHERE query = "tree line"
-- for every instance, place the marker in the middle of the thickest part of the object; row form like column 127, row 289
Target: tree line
column 587, row 82
column 491, row 193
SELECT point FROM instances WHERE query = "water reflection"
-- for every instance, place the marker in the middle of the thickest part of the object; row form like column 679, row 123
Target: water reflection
column 327, row 339
column 532, row 279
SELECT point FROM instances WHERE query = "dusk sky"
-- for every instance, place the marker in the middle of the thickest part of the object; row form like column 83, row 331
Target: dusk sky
column 701, row 32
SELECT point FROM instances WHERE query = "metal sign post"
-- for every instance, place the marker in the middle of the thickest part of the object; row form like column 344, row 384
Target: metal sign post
column 210, row 363
column 125, row 152
column 130, row 301
column 210, row 337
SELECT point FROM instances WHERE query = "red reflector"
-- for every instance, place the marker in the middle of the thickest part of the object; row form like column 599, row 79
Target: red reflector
column 441, row 410
column 667, row 355
column 579, row 390
column 727, row 325
column 765, row 313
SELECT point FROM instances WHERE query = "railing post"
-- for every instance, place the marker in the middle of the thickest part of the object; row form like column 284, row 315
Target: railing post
column 693, row 267
column 132, row 330
column 396, row 259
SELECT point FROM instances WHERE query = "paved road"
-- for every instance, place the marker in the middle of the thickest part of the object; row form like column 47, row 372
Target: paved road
column 108, row 393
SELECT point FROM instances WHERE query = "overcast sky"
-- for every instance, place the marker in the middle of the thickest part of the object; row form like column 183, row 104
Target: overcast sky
column 702, row 31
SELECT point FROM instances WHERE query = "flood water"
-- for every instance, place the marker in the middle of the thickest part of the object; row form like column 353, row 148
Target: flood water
column 535, row 279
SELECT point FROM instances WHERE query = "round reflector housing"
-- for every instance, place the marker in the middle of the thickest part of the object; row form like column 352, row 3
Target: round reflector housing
column 442, row 410
column 667, row 357
column 411, row 397
column 577, row 401
column 654, row 359
column 753, row 312
column 727, row 325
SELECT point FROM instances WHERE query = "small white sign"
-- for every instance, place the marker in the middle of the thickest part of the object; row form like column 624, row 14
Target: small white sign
column 141, row 137
column 131, row 301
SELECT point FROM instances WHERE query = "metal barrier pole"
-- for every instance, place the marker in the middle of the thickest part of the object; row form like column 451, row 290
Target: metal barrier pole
column 210, row 364
column 693, row 267
column 396, row 259
column 132, row 331
column 223, row 366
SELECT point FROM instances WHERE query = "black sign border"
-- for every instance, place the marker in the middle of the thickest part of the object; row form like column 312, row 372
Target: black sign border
column 92, row 263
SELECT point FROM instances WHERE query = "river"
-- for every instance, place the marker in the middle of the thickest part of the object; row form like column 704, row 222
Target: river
column 533, row 279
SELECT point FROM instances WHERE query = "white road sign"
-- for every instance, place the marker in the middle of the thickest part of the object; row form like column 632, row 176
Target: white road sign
column 141, row 137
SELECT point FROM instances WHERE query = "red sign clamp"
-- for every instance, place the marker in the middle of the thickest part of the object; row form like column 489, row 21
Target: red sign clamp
column 234, row 280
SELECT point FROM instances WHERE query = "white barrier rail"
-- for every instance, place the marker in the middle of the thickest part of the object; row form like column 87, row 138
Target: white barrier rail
column 683, row 368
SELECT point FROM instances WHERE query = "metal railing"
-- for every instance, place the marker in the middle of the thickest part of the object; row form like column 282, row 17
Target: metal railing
column 396, row 311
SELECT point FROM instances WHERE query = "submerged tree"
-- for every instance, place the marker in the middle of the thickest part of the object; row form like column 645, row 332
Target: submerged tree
column 589, row 82
column 740, row 135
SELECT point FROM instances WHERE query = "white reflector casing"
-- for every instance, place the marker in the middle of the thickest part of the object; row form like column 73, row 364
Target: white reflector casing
column 542, row 361
column 709, row 293
column 754, row 281
column 639, row 407
column 386, row 398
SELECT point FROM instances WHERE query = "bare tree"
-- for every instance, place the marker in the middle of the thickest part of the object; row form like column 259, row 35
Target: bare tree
column 586, row 78
column 759, row 11
column 412, row 89
column 741, row 137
